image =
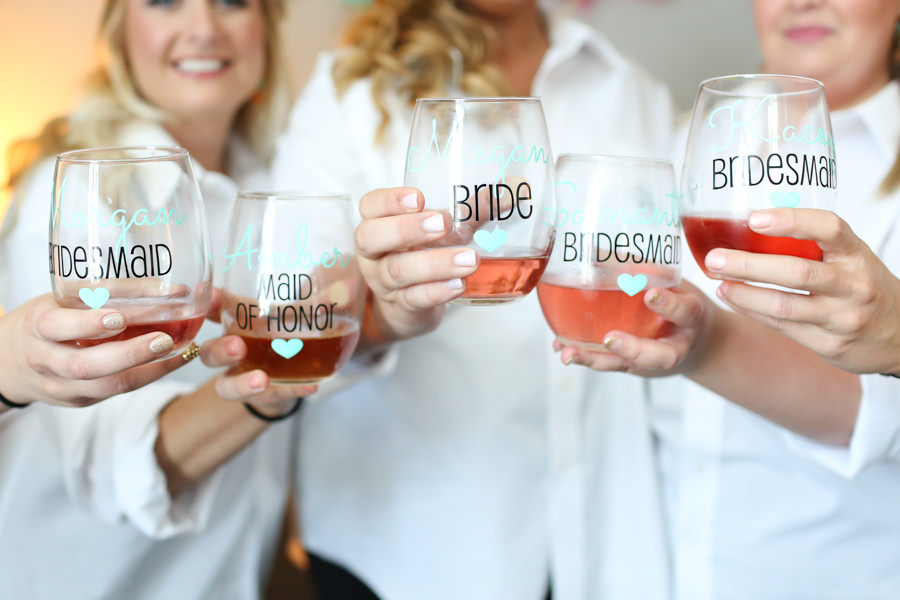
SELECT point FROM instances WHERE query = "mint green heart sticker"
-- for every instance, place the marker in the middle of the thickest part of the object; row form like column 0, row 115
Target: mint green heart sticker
column 780, row 199
column 287, row 348
column 490, row 241
column 95, row 298
column 631, row 284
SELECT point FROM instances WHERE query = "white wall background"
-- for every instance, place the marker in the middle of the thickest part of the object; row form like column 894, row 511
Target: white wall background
column 47, row 46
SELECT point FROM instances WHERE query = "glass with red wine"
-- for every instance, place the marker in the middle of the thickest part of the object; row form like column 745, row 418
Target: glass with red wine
column 756, row 142
column 292, row 290
column 618, row 234
column 128, row 231
column 487, row 163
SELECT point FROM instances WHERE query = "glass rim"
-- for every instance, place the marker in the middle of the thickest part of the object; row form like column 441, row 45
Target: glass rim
column 616, row 159
column 293, row 195
column 160, row 154
column 815, row 84
column 480, row 100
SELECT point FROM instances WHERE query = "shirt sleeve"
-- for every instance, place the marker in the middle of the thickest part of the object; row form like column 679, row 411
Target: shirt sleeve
column 106, row 454
column 876, row 434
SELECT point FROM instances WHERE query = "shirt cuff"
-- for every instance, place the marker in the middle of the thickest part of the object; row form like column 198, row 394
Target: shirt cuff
column 109, row 464
column 876, row 434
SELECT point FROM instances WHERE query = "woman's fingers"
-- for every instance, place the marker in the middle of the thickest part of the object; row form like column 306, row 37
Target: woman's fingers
column 405, row 269
column 104, row 359
column 387, row 202
column 225, row 351
column 63, row 324
column 375, row 237
column 682, row 310
column 255, row 387
column 779, row 306
column 829, row 231
column 786, row 271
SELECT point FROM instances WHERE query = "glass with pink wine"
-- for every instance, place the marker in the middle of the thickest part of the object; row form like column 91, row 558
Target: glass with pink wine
column 487, row 162
column 128, row 231
column 755, row 142
column 618, row 234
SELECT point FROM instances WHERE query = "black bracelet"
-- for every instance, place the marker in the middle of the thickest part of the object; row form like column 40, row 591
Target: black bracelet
column 297, row 404
column 890, row 375
column 7, row 402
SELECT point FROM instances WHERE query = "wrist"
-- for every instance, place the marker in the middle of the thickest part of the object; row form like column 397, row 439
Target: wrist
column 272, row 412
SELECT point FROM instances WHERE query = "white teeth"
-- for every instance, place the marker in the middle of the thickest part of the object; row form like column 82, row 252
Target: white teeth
column 200, row 65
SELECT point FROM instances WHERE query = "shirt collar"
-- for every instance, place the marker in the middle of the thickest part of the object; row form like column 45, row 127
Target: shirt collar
column 569, row 37
column 880, row 114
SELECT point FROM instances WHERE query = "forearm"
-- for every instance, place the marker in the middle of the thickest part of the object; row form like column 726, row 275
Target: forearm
column 198, row 433
column 777, row 378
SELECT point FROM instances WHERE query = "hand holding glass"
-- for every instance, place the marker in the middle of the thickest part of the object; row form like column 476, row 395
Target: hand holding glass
column 487, row 162
column 618, row 235
column 128, row 231
column 756, row 142
column 292, row 289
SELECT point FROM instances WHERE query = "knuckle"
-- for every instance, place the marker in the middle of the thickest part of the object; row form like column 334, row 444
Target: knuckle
column 853, row 322
column 393, row 270
column 361, row 241
column 76, row 367
column 802, row 273
column 833, row 227
column 865, row 291
column 783, row 309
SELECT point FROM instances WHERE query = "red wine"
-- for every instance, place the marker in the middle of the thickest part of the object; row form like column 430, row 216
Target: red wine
column 319, row 357
column 499, row 280
column 182, row 331
column 705, row 233
column 584, row 313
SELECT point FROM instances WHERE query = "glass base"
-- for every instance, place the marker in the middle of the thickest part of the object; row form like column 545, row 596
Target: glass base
column 487, row 300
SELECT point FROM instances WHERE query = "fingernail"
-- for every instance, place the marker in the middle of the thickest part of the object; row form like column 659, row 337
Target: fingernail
column 721, row 290
column 455, row 284
column 257, row 384
column 465, row 259
column 433, row 224
column 114, row 321
column 161, row 344
column 654, row 298
column 569, row 360
column 760, row 220
column 232, row 348
column 410, row 200
column 613, row 343
column 715, row 261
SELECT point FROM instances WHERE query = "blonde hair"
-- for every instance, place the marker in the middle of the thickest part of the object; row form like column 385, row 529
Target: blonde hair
column 406, row 48
column 113, row 100
column 891, row 182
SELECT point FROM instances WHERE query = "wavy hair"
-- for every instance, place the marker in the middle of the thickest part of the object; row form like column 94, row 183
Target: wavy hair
column 411, row 48
column 891, row 182
column 112, row 99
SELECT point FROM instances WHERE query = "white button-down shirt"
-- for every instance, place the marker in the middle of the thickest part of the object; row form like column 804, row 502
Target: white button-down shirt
column 757, row 512
column 84, row 508
column 477, row 469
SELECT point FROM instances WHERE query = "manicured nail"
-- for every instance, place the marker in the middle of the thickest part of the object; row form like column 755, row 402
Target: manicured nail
column 613, row 343
column 114, row 321
column 569, row 360
column 161, row 344
column 760, row 220
column 410, row 200
column 715, row 261
column 433, row 224
column 455, row 284
column 232, row 348
column 257, row 383
column 654, row 298
column 722, row 290
column 464, row 259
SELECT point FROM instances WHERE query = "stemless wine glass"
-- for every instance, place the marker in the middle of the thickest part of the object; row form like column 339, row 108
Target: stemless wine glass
column 756, row 141
column 488, row 161
column 618, row 234
column 128, row 231
column 293, row 291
